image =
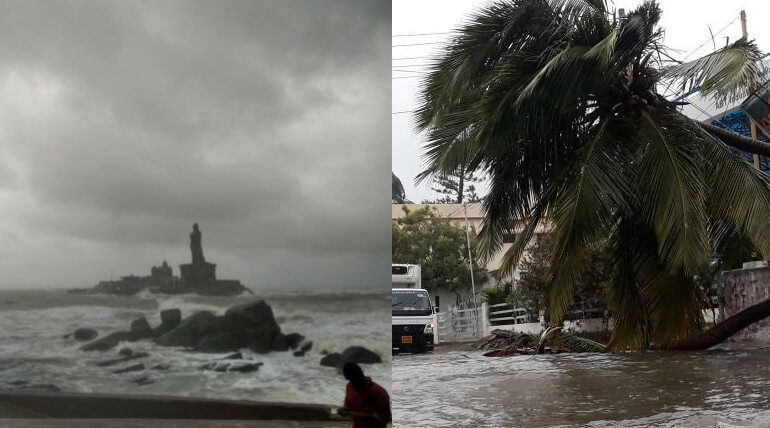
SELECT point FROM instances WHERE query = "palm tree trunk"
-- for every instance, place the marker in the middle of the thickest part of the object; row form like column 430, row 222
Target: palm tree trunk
column 720, row 332
column 737, row 141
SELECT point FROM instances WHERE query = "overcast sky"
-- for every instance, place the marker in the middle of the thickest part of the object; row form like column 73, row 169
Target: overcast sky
column 123, row 122
column 686, row 23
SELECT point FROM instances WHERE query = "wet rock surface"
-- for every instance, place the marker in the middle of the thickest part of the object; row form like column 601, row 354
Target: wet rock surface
column 359, row 354
column 332, row 360
column 233, row 356
column 85, row 334
column 116, row 361
column 134, row 368
column 107, row 342
column 294, row 339
column 232, row 366
column 140, row 329
column 142, row 380
column 249, row 325
column 190, row 331
column 352, row 354
column 170, row 317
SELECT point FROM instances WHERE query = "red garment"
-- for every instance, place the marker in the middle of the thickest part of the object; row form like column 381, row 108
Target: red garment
column 372, row 399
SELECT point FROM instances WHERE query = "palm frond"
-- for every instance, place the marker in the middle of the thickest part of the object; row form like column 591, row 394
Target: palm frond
column 595, row 186
column 738, row 192
column 673, row 191
column 726, row 74
column 637, row 35
column 576, row 343
column 513, row 255
column 604, row 51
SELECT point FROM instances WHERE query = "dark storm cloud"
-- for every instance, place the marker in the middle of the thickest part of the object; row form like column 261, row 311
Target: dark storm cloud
column 121, row 123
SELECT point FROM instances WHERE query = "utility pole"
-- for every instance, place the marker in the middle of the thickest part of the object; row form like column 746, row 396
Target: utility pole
column 753, row 125
column 470, row 268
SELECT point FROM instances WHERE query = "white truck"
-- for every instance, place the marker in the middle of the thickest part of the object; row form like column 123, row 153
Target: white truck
column 414, row 316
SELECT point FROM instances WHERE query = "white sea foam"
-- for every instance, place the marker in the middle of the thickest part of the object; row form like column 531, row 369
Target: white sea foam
column 33, row 347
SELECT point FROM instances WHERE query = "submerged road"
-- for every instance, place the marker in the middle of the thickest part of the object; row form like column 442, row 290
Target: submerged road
column 461, row 388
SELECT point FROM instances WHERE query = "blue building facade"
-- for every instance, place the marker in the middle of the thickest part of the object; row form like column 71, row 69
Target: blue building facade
column 736, row 120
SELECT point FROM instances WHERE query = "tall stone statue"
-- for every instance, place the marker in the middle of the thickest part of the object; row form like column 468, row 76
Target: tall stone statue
column 195, row 246
column 199, row 272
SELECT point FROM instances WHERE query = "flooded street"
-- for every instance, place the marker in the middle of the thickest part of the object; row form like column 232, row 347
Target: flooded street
column 459, row 388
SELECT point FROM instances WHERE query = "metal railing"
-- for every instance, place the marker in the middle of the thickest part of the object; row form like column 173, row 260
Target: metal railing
column 505, row 314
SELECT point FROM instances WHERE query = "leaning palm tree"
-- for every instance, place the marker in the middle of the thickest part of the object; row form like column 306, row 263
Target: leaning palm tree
column 560, row 104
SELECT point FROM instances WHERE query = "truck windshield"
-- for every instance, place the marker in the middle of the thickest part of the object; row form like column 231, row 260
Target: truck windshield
column 411, row 302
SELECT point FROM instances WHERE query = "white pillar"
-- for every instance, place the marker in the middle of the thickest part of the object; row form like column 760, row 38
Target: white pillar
column 542, row 320
column 485, row 327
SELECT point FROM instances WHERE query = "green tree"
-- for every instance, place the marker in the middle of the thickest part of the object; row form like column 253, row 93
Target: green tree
column 497, row 294
column 531, row 289
column 422, row 237
column 398, row 195
column 558, row 102
column 456, row 188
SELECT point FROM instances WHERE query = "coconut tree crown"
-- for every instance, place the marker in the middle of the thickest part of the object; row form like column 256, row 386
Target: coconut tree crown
column 559, row 103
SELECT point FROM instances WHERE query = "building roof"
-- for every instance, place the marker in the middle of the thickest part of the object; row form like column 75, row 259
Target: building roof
column 450, row 211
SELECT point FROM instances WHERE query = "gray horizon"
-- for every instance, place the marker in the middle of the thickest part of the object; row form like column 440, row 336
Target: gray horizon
column 123, row 123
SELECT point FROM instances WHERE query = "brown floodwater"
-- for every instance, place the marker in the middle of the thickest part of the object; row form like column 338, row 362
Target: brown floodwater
column 727, row 387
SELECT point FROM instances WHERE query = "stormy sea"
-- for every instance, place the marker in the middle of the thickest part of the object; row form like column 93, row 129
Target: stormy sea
column 34, row 352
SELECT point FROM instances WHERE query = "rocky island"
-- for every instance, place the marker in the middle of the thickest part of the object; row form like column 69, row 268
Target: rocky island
column 198, row 277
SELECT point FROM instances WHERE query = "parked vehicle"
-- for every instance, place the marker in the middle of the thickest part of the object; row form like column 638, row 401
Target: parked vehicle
column 414, row 316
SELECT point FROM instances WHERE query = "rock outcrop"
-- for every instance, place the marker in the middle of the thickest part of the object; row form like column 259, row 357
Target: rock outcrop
column 197, row 277
column 140, row 329
column 361, row 355
column 294, row 339
column 190, row 331
column 332, row 360
column 133, row 356
column 232, row 366
column 250, row 325
column 169, row 319
column 134, row 368
column 107, row 342
column 353, row 354
column 142, row 380
column 85, row 334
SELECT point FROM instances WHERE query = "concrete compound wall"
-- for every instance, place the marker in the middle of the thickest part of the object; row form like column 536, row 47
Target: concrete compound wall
column 744, row 288
column 17, row 404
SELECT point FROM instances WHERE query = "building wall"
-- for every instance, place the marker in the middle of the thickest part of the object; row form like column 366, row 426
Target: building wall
column 744, row 288
column 455, row 213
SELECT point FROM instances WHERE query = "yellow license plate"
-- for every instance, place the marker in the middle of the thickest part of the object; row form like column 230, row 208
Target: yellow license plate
column 406, row 339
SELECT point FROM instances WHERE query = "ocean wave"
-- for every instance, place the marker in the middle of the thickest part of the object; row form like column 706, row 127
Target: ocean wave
column 33, row 347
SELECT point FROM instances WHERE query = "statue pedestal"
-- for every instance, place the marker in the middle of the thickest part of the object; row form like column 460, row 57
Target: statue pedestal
column 198, row 274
